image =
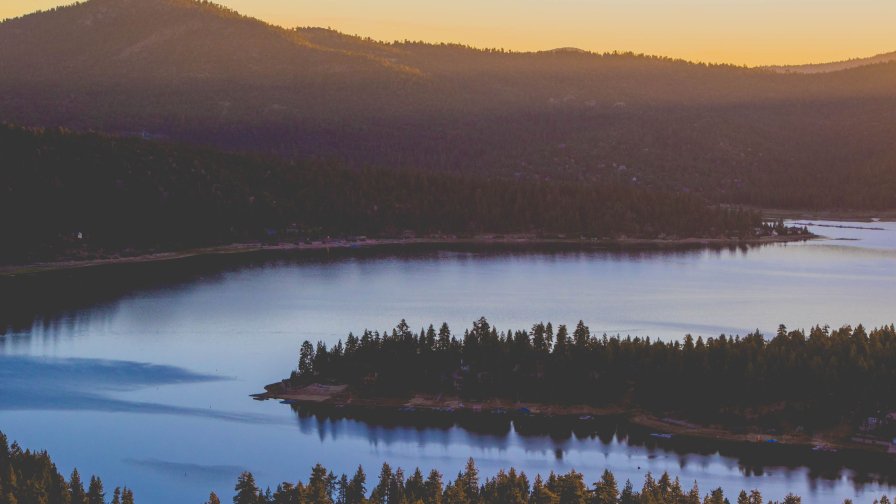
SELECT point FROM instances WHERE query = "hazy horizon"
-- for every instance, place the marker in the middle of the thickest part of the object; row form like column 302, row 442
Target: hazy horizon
column 741, row 32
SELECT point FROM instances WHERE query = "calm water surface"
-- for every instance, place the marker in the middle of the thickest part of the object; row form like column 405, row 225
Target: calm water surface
column 148, row 386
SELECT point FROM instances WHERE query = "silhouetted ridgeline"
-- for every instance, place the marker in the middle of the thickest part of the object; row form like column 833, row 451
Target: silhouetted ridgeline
column 835, row 66
column 64, row 192
column 796, row 381
column 196, row 72
column 31, row 478
column 510, row 487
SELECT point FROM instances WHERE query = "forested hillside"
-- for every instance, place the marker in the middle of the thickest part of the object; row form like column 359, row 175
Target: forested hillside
column 64, row 191
column 198, row 73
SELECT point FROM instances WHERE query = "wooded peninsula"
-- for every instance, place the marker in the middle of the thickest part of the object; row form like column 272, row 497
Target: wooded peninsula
column 823, row 388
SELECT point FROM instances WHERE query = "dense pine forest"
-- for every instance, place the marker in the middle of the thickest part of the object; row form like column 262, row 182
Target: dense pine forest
column 28, row 477
column 507, row 487
column 795, row 380
column 65, row 192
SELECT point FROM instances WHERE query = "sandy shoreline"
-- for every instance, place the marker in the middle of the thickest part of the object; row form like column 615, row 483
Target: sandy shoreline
column 519, row 240
column 427, row 406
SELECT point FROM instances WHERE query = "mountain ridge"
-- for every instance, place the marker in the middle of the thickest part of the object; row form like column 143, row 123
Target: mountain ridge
column 180, row 40
column 141, row 35
column 194, row 72
column 835, row 66
column 227, row 12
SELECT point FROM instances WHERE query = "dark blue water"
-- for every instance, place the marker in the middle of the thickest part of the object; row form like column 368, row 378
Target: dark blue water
column 149, row 386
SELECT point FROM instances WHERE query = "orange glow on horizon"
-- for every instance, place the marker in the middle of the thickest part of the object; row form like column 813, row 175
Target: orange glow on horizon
column 743, row 32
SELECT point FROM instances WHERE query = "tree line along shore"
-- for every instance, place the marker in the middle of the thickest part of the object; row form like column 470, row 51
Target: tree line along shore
column 283, row 244
column 76, row 196
column 824, row 388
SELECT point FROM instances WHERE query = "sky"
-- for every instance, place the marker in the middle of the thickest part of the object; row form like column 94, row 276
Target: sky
column 743, row 32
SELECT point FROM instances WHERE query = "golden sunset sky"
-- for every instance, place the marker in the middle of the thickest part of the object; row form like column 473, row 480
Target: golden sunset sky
column 750, row 32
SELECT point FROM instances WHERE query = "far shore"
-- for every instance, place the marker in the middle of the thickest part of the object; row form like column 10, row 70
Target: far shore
column 367, row 243
column 665, row 428
column 830, row 215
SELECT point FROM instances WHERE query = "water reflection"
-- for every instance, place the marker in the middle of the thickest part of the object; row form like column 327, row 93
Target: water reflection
column 73, row 375
column 205, row 473
column 42, row 384
column 48, row 299
column 608, row 436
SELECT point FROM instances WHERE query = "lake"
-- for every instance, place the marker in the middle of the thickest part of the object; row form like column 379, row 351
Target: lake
column 142, row 374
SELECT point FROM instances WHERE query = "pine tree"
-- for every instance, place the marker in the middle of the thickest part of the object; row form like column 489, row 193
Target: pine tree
column 285, row 494
column 755, row 497
column 470, row 481
column 213, row 499
column 541, row 494
column 380, row 494
column 95, row 492
column 606, row 491
column 321, row 485
column 415, row 487
column 571, row 488
column 342, row 490
column 306, row 358
column 581, row 336
column 430, row 338
column 396, row 488
column 357, row 488
column 444, row 342
column 650, row 488
column 76, row 487
column 717, row 496
column 455, row 494
column 247, row 491
column 693, row 496
column 433, row 488
column 628, row 495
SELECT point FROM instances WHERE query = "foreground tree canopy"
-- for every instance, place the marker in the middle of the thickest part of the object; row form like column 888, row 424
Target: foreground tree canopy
column 794, row 379
column 28, row 477
column 393, row 486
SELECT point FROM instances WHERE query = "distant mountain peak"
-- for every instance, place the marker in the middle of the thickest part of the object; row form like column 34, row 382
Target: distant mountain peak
column 570, row 50
column 167, row 40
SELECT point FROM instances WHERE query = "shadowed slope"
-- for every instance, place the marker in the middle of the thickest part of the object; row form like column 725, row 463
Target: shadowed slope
column 199, row 73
